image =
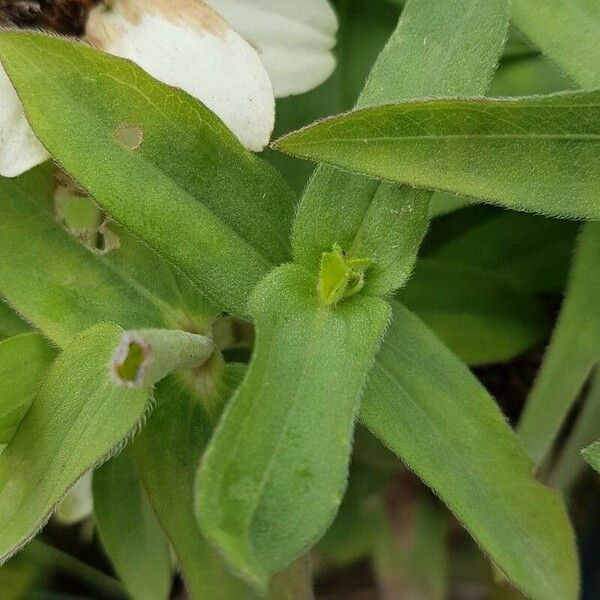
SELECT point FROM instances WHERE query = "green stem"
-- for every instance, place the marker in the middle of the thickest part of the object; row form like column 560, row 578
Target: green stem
column 46, row 554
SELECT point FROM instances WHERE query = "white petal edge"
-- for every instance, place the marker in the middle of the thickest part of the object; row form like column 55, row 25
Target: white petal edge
column 186, row 44
column 20, row 150
column 293, row 37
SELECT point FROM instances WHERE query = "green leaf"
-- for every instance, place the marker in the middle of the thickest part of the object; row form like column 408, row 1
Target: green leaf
column 364, row 29
column 78, row 418
column 536, row 154
column 438, row 49
column 10, row 323
column 167, row 452
column 190, row 190
column 275, row 472
column 530, row 252
column 424, row 404
column 568, row 31
column 63, row 289
column 574, row 350
column 23, row 361
column 569, row 464
column 495, row 324
column 592, row 455
column 129, row 530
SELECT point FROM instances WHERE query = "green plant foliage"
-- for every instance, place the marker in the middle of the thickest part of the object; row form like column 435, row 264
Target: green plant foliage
column 129, row 530
column 592, row 455
column 529, row 252
column 243, row 212
column 535, row 154
column 570, row 464
column 423, row 403
column 493, row 325
column 386, row 223
column 567, row 31
column 158, row 259
column 572, row 354
column 10, row 323
column 19, row 386
column 167, row 454
column 78, row 418
column 63, row 289
column 274, row 474
column 569, row 35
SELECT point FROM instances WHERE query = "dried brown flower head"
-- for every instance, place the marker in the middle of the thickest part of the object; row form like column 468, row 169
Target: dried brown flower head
column 67, row 17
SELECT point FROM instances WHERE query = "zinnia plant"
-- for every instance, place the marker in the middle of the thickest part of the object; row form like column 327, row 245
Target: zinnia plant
column 224, row 376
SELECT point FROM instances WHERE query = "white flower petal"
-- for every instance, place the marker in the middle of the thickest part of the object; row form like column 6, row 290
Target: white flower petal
column 20, row 150
column 186, row 44
column 293, row 37
column 78, row 504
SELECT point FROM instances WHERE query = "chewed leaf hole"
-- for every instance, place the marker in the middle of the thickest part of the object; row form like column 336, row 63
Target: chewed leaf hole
column 130, row 136
column 130, row 361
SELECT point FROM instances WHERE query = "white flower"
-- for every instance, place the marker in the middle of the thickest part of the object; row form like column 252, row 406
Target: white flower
column 234, row 55
column 20, row 150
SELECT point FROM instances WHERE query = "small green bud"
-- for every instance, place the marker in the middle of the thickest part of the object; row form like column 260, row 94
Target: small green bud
column 340, row 277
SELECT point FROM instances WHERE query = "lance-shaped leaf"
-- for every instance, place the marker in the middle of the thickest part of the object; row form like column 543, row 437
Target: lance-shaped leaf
column 167, row 454
column 425, row 405
column 129, row 530
column 567, row 31
column 493, row 325
column 63, row 288
column 23, row 361
column 569, row 465
column 537, row 154
column 438, row 49
column 592, row 455
column 574, row 350
column 157, row 160
column 78, row 418
column 275, row 472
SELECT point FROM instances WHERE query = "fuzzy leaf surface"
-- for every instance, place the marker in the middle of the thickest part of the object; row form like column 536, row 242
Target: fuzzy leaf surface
column 426, row 406
column 78, row 418
column 63, row 289
column 565, row 30
column 167, row 452
column 189, row 189
column 23, row 361
column 536, row 154
column 438, row 49
column 275, row 471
